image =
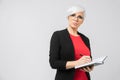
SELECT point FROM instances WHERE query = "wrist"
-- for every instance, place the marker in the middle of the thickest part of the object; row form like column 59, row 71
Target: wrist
column 76, row 63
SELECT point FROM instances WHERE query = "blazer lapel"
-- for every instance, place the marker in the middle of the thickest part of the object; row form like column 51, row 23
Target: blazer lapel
column 71, row 47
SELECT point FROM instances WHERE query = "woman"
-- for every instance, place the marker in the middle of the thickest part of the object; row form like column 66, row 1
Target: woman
column 69, row 48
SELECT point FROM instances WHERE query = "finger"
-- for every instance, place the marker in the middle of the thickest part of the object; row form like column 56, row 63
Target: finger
column 91, row 67
column 87, row 57
column 88, row 69
column 87, row 60
column 82, row 69
column 85, row 69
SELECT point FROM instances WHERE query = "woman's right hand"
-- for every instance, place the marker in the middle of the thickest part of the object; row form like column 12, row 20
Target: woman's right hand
column 83, row 60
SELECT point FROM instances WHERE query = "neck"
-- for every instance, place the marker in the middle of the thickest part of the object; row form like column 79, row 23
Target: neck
column 72, row 31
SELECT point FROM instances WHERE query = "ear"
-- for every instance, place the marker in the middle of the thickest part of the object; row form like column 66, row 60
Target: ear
column 68, row 17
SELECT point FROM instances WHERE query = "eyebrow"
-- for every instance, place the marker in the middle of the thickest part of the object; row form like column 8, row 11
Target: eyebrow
column 75, row 14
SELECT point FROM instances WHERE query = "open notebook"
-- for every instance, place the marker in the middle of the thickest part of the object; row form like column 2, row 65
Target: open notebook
column 95, row 62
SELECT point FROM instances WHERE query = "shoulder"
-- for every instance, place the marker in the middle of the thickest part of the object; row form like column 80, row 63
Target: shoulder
column 58, row 35
column 60, row 32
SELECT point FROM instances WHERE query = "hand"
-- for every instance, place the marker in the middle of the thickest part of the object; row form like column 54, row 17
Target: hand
column 83, row 60
column 88, row 69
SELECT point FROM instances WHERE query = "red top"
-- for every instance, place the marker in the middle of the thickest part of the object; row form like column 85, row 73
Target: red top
column 79, row 48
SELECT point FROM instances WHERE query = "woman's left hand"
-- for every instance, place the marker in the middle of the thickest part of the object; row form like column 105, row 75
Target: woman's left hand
column 88, row 69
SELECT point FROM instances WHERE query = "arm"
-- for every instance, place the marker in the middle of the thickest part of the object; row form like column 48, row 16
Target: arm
column 54, row 58
column 71, row 64
column 83, row 60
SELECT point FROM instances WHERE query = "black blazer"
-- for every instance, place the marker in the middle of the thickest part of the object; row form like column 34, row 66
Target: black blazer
column 61, row 51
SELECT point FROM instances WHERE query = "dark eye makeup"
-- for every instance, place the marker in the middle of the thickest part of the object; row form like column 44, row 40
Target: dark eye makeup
column 80, row 17
column 73, row 15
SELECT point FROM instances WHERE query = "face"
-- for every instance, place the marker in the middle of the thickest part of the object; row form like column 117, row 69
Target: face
column 76, row 19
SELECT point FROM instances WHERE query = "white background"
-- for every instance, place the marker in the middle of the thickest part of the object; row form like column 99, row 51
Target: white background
column 27, row 25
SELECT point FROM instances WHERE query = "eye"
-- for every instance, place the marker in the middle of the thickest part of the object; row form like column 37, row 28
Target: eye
column 72, row 15
column 80, row 17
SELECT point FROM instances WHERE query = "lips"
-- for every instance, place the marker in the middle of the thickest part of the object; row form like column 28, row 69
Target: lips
column 75, row 23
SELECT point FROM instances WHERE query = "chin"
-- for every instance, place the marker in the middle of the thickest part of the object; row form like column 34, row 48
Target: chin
column 74, row 27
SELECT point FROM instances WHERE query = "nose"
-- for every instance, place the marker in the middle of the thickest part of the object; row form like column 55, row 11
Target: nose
column 75, row 18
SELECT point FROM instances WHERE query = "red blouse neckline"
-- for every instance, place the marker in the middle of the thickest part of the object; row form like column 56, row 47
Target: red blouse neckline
column 74, row 35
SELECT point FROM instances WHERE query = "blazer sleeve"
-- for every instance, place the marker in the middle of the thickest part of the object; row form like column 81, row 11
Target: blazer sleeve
column 54, row 57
